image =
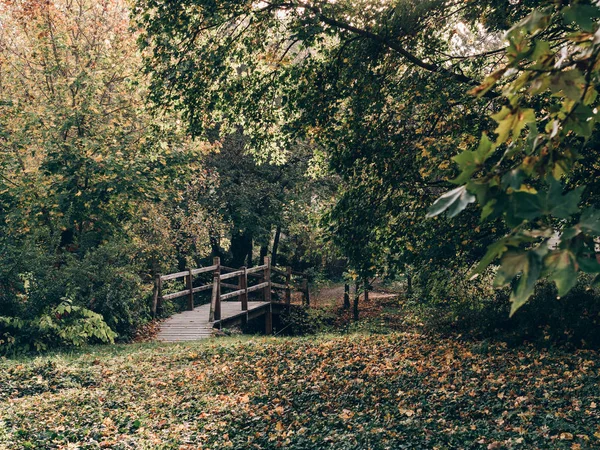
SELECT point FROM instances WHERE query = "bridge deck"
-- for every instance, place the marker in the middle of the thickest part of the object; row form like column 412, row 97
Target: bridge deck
column 194, row 325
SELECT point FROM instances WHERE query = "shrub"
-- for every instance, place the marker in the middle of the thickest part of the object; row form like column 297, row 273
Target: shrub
column 303, row 320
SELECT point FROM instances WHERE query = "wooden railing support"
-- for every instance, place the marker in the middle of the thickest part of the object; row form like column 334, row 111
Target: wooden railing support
column 269, row 321
column 190, row 286
column 267, row 279
column 243, row 285
column 156, row 295
column 215, row 303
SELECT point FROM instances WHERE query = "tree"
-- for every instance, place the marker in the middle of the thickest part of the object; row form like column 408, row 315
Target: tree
column 380, row 89
column 81, row 161
column 530, row 172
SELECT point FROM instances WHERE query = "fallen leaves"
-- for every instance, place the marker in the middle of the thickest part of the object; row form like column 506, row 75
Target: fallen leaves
column 356, row 392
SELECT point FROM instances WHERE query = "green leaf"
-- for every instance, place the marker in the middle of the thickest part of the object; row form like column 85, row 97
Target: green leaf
column 561, row 269
column 559, row 205
column 527, row 206
column 453, row 202
column 511, row 123
column 551, row 202
column 531, row 269
column 513, row 179
column 513, row 262
column 494, row 251
column 590, row 221
column 469, row 161
column 588, row 264
column 582, row 15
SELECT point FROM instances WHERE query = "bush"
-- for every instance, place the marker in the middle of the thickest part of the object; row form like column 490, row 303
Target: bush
column 474, row 309
column 303, row 320
column 64, row 299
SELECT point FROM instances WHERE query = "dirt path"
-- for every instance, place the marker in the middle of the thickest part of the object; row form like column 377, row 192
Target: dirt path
column 334, row 295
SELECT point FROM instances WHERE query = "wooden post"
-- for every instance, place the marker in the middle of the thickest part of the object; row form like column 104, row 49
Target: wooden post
column 215, row 304
column 155, row 295
column 267, row 290
column 190, row 286
column 356, row 298
column 346, row 296
column 269, row 321
column 243, row 284
column 288, row 288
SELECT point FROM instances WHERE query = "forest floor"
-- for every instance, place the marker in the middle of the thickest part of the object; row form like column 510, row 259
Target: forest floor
column 383, row 385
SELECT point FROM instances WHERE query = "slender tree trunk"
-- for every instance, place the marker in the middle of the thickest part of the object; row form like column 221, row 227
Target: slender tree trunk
column 275, row 245
column 249, row 243
column 346, row 296
column 264, row 251
column 356, row 298
column 366, row 284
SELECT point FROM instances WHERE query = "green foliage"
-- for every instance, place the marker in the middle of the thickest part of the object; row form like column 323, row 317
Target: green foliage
column 302, row 321
column 64, row 324
column 87, row 177
column 535, row 148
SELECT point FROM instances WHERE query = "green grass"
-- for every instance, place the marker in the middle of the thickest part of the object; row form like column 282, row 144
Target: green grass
column 400, row 390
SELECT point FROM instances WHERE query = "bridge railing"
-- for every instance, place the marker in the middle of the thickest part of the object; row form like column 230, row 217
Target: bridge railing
column 221, row 276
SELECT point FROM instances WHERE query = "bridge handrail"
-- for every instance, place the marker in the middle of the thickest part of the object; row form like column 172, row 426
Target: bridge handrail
column 241, row 289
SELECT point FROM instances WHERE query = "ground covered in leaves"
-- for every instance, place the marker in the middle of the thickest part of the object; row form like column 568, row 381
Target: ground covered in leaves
column 400, row 390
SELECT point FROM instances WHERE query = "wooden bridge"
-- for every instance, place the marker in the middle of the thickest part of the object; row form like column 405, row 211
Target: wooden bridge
column 199, row 322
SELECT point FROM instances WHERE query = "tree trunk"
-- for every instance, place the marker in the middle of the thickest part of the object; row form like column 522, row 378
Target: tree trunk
column 356, row 298
column 240, row 242
column 264, row 251
column 276, row 245
column 249, row 243
column 346, row 296
column 366, row 284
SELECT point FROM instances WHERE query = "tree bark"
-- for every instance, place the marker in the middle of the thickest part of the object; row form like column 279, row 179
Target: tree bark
column 264, row 251
column 356, row 298
column 366, row 284
column 241, row 249
column 275, row 245
column 346, row 296
column 249, row 243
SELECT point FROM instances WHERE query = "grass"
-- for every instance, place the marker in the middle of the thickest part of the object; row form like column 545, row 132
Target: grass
column 359, row 391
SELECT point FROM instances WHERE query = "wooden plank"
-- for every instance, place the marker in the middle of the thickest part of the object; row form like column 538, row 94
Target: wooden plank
column 278, row 286
column 203, row 270
column 227, row 276
column 232, row 294
column 278, row 270
column 253, row 270
column 175, row 295
column 228, row 269
column 206, row 287
column 230, row 286
column 172, row 276
column 257, row 287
